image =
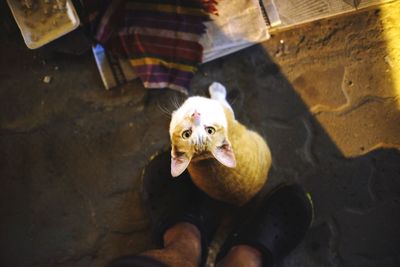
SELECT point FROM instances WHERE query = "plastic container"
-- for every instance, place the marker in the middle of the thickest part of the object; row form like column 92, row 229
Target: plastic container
column 42, row 21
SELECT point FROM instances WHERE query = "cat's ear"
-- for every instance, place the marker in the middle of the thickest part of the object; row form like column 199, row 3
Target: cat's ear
column 224, row 154
column 179, row 162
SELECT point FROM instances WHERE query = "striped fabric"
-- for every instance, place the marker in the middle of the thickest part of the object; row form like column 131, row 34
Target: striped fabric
column 159, row 37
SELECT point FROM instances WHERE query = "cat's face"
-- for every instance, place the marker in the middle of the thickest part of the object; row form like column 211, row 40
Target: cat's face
column 198, row 130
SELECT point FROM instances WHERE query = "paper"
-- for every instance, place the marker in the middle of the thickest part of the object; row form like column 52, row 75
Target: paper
column 239, row 24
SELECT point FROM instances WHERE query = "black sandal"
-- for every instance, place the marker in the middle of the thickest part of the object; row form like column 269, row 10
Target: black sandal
column 172, row 200
column 277, row 228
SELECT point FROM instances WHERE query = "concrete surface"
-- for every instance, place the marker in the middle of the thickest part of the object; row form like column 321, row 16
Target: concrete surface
column 72, row 154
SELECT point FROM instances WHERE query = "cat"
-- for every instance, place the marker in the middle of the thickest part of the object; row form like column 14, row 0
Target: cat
column 226, row 160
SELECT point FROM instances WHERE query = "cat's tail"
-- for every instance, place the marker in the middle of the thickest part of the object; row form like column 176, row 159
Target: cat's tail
column 218, row 92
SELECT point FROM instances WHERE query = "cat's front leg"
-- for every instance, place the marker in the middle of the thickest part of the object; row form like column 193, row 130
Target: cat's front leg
column 218, row 92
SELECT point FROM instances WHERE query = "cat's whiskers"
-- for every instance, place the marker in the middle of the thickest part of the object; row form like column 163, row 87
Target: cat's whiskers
column 175, row 101
column 200, row 143
column 164, row 110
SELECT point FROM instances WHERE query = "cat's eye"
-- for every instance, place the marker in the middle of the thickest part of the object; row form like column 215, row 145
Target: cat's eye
column 186, row 134
column 210, row 130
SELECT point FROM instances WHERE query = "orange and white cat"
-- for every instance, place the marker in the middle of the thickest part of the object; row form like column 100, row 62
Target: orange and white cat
column 225, row 159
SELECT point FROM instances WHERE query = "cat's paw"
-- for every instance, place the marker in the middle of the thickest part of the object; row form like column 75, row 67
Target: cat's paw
column 217, row 91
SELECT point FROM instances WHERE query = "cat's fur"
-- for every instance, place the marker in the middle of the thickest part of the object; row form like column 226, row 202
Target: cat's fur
column 230, row 164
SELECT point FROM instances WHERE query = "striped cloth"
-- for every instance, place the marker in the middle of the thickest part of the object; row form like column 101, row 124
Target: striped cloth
column 159, row 37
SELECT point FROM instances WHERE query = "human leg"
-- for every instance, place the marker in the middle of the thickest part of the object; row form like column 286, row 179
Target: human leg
column 242, row 256
column 183, row 219
column 182, row 246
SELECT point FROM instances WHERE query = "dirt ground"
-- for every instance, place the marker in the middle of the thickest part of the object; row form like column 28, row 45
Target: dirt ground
column 72, row 154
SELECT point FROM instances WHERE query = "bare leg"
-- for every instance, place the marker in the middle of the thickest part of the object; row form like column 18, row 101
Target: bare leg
column 182, row 246
column 242, row 256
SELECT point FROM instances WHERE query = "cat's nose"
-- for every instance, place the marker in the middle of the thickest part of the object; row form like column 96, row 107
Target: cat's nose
column 196, row 118
column 196, row 115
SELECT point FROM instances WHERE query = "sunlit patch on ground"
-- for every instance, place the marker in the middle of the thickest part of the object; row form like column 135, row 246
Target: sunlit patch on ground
column 390, row 15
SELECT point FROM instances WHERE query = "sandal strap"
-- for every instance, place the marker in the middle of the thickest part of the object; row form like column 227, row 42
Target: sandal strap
column 278, row 227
